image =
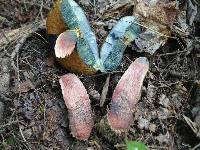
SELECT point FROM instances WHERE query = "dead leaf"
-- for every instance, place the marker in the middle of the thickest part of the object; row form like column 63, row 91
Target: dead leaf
column 157, row 18
column 163, row 13
column 104, row 91
column 152, row 127
column 24, row 87
column 50, row 61
column 163, row 138
column 94, row 94
column 143, row 123
column 164, row 101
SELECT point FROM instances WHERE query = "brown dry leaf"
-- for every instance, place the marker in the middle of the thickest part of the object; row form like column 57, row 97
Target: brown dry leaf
column 157, row 17
column 152, row 39
column 162, row 12
column 52, row 121
column 50, row 61
column 7, row 35
column 24, row 87
column 111, row 6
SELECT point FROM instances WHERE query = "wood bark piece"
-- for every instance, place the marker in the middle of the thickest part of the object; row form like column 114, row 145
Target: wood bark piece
column 127, row 94
column 78, row 104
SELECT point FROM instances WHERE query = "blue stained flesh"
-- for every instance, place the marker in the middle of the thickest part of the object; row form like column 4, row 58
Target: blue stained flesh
column 75, row 19
column 124, row 32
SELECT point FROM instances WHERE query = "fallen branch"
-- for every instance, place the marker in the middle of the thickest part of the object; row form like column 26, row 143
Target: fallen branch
column 22, row 34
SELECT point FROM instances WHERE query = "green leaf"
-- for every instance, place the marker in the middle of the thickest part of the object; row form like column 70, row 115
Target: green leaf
column 133, row 145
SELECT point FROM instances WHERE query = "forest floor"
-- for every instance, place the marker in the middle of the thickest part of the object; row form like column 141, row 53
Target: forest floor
column 32, row 110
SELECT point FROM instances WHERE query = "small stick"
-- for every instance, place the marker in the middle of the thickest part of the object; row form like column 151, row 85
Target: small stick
column 197, row 146
column 104, row 91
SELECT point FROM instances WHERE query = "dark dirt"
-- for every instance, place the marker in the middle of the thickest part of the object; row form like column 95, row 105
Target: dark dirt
column 35, row 116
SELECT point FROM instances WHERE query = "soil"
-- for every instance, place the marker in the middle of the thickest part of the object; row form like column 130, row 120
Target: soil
column 32, row 110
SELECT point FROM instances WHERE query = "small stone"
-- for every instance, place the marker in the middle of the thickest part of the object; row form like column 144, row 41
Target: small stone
column 143, row 123
column 151, row 91
column 164, row 101
column 152, row 127
column 27, row 133
column 94, row 94
column 163, row 113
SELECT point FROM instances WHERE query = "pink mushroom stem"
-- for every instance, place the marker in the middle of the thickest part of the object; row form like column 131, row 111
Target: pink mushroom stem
column 78, row 104
column 126, row 95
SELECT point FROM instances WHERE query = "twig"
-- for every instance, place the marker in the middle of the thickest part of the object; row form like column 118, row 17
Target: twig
column 161, row 34
column 104, row 91
column 157, row 147
column 20, row 130
column 197, row 146
column 174, row 53
column 101, row 74
column 9, row 124
column 41, row 7
column 36, row 4
column 95, row 9
column 16, row 50
column 21, row 42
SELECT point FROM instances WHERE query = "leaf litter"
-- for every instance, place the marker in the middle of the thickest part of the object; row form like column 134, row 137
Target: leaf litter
column 43, row 108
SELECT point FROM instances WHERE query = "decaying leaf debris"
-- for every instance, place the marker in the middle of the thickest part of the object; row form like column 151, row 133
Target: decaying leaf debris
column 37, row 120
column 157, row 17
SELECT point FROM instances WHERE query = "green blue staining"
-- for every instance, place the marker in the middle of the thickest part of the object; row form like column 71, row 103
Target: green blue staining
column 82, row 48
column 111, row 53
column 132, row 32
column 124, row 32
column 112, row 60
column 75, row 18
